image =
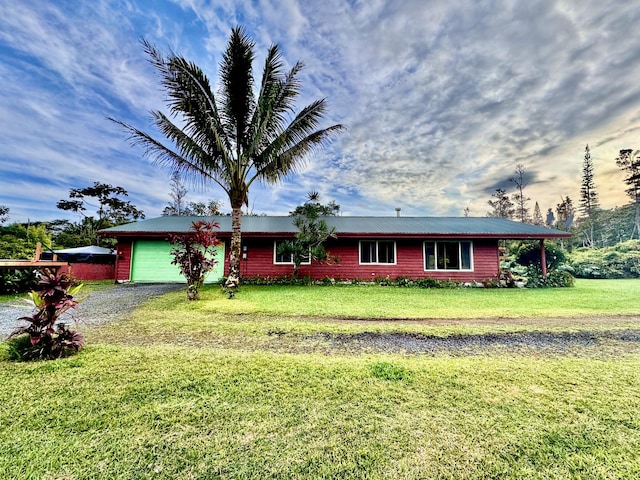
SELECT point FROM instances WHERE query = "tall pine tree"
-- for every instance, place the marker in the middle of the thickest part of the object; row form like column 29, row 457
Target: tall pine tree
column 589, row 204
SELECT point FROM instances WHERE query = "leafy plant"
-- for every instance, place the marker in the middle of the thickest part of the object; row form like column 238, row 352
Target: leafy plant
column 48, row 337
column 619, row 261
column 313, row 232
column 560, row 277
column 17, row 280
column 527, row 254
column 194, row 253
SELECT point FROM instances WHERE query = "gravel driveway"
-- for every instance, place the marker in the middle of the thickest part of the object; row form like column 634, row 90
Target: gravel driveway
column 102, row 306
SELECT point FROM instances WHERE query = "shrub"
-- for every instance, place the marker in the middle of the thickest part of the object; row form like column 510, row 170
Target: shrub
column 555, row 278
column 194, row 253
column 18, row 280
column 528, row 254
column 48, row 337
column 619, row 261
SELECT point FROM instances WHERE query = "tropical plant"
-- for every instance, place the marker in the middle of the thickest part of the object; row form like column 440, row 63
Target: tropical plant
column 233, row 138
column 17, row 280
column 48, row 337
column 528, row 254
column 194, row 253
column 313, row 232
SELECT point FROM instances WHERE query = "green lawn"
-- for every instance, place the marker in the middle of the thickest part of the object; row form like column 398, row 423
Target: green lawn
column 253, row 388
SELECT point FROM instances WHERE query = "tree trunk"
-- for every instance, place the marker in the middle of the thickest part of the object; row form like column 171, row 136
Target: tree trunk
column 233, row 279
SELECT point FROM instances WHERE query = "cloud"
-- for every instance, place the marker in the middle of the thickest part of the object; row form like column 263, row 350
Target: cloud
column 441, row 99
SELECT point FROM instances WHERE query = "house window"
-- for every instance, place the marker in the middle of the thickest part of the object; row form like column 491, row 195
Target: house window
column 284, row 258
column 447, row 255
column 378, row 251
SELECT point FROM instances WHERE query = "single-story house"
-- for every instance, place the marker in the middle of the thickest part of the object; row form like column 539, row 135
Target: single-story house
column 445, row 248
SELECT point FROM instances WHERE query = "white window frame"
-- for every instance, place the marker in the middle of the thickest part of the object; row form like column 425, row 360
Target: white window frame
column 377, row 242
column 436, row 269
column 275, row 254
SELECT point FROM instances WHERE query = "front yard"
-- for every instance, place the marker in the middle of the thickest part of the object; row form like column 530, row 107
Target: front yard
column 280, row 383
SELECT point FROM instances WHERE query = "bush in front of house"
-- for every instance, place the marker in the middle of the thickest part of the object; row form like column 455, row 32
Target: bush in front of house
column 45, row 337
column 525, row 265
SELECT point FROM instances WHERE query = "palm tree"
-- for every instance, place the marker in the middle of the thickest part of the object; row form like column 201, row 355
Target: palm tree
column 232, row 138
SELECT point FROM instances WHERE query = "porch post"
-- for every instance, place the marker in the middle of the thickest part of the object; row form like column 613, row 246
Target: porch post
column 543, row 258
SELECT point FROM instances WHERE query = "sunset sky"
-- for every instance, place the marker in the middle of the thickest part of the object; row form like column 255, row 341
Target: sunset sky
column 441, row 100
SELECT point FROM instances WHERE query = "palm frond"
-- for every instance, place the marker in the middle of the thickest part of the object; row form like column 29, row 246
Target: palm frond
column 236, row 90
column 186, row 161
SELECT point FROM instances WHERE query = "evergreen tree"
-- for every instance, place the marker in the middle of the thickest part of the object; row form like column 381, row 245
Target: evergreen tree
column 537, row 216
column 629, row 161
column 589, row 203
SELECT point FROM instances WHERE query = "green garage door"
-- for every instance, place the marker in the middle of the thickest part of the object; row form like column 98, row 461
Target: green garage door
column 151, row 262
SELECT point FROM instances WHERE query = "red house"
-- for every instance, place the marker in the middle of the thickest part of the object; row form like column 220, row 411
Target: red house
column 445, row 248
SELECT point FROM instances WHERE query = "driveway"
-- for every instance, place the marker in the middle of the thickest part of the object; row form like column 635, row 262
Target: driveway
column 105, row 305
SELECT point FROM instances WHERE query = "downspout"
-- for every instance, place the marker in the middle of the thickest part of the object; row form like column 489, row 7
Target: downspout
column 543, row 258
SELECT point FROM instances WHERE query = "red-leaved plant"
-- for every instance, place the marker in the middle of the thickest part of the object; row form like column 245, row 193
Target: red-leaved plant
column 194, row 253
column 49, row 338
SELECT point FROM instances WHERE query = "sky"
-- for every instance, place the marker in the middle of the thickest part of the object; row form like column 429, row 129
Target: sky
column 441, row 100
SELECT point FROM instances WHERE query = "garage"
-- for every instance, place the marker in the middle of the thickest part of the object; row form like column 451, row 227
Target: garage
column 151, row 263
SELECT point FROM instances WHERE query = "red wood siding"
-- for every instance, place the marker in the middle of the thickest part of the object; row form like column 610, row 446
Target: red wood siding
column 91, row 271
column 409, row 262
column 123, row 260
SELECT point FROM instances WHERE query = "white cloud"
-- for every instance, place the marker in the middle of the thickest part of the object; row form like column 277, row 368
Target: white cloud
column 441, row 99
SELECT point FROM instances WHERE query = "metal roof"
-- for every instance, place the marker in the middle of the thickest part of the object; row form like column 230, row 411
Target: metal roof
column 88, row 250
column 254, row 226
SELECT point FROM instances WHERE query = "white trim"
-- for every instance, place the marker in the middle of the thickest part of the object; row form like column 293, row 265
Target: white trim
column 377, row 242
column 275, row 255
column 436, row 269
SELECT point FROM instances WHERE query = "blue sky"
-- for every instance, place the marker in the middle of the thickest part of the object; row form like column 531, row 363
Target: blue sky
column 441, row 100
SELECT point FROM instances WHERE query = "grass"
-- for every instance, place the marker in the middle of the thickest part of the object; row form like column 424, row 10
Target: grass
column 196, row 390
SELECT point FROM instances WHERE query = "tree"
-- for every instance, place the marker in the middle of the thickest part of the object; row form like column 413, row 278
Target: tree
column 589, row 204
column 233, row 138
column 551, row 218
column 178, row 206
column 178, row 193
column 201, row 209
column 502, row 205
column 4, row 214
column 564, row 214
column 313, row 232
column 112, row 210
column 537, row 216
column 629, row 162
column 194, row 253
column 521, row 210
